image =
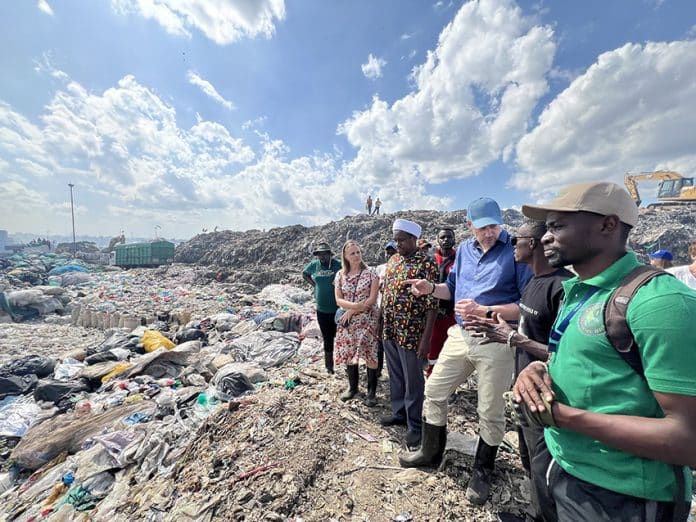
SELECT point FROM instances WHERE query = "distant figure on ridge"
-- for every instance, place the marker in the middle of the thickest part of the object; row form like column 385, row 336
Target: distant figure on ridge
column 378, row 204
column 368, row 205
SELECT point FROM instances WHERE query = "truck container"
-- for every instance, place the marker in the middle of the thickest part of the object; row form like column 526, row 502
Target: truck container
column 153, row 253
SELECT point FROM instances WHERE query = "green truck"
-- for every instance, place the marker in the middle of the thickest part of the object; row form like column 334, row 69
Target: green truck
column 154, row 253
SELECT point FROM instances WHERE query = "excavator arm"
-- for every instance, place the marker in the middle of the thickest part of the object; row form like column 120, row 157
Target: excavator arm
column 630, row 180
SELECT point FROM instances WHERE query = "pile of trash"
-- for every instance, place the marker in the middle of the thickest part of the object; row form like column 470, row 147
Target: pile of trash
column 282, row 252
column 227, row 417
column 23, row 305
column 31, row 269
column 667, row 228
column 80, row 429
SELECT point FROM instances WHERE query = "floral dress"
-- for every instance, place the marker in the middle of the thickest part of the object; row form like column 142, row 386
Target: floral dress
column 358, row 340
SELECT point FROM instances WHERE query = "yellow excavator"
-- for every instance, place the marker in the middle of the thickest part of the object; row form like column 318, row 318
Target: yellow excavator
column 674, row 189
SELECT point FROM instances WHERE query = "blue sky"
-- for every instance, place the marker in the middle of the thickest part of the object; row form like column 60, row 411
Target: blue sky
column 192, row 114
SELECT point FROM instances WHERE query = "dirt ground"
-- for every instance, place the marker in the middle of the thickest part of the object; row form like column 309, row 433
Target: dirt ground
column 302, row 454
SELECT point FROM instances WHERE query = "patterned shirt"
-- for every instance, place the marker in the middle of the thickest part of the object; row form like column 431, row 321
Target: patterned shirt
column 404, row 314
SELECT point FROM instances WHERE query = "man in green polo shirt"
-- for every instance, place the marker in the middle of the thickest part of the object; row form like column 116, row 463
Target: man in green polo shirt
column 619, row 443
column 320, row 273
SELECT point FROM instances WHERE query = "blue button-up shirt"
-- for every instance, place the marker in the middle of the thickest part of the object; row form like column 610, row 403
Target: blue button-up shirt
column 493, row 278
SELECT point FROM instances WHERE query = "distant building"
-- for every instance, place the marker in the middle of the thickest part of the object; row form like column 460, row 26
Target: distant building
column 4, row 239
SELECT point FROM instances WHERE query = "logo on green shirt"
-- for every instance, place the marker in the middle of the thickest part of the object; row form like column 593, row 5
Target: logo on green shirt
column 591, row 320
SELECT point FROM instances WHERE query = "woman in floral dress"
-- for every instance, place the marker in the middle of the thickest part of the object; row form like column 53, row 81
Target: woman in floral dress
column 357, row 287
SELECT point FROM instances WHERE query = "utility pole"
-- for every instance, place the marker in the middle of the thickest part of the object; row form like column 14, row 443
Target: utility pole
column 72, row 212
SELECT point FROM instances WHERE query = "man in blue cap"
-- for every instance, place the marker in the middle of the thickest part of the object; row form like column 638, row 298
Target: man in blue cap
column 485, row 281
column 661, row 259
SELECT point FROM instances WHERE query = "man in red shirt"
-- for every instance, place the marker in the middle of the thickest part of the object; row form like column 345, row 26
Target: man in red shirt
column 444, row 256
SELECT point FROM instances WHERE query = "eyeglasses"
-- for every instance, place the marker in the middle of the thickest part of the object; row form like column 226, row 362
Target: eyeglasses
column 514, row 239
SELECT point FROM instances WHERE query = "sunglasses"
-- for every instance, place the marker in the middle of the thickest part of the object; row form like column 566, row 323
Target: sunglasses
column 514, row 239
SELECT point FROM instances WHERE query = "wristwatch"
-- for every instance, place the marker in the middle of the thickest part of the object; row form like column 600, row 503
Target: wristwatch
column 489, row 313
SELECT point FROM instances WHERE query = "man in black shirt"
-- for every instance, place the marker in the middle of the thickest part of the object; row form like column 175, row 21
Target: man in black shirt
column 539, row 306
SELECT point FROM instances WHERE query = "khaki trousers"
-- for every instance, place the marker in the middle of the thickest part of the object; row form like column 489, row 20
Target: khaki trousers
column 461, row 355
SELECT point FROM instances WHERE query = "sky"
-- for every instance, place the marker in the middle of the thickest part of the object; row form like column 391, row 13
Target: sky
column 174, row 116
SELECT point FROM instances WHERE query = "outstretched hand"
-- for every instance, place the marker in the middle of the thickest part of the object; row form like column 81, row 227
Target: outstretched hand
column 419, row 287
column 495, row 330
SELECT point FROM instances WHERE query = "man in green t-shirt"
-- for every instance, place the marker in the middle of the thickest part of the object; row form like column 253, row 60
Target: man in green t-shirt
column 617, row 443
column 320, row 273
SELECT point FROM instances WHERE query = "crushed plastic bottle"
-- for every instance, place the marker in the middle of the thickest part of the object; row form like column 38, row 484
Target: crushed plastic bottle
column 68, row 478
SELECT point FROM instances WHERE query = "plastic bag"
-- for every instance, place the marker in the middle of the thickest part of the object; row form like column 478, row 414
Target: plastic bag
column 231, row 384
column 152, row 340
column 54, row 391
column 37, row 364
column 118, row 369
column 17, row 414
column 23, row 298
column 16, row 384
column 266, row 348
column 68, row 369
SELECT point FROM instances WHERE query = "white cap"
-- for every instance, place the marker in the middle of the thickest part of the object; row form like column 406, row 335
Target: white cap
column 407, row 226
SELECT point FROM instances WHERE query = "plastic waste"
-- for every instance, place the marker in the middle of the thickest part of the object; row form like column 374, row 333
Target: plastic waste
column 118, row 369
column 152, row 340
column 68, row 369
column 204, row 406
column 16, row 384
column 39, row 365
column 17, row 414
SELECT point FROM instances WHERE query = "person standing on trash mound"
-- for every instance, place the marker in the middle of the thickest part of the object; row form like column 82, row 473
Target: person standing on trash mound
column 357, row 287
column 407, row 326
column 320, row 273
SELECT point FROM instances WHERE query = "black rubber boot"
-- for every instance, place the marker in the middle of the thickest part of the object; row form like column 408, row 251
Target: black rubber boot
column 431, row 450
column 380, row 359
column 371, row 388
column 352, row 391
column 480, row 483
column 328, row 362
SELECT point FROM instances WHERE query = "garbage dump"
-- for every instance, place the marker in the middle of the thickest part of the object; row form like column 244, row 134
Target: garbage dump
column 184, row 393
column 200, row 402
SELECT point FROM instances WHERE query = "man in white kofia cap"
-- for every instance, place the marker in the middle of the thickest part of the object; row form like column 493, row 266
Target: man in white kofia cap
column 407, row 325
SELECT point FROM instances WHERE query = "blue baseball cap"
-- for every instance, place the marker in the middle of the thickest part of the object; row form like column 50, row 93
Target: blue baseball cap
column 390, row 244
column 661, row 254
column 483, row 212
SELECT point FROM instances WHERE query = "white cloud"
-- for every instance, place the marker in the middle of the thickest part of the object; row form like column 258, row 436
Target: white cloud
column 44, row 7
column 255, row 123
column 208, row 89
column 632, row 110
column 45, row 66
column 472, row 100
column 132, row 166
column 373, row 68
column 222, row 21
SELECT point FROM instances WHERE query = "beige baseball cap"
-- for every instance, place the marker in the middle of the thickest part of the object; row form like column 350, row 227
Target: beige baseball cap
column 602, row 198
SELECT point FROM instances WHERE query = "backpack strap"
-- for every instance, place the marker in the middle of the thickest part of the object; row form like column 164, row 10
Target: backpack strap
column 616, row 308
column 621, row 338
